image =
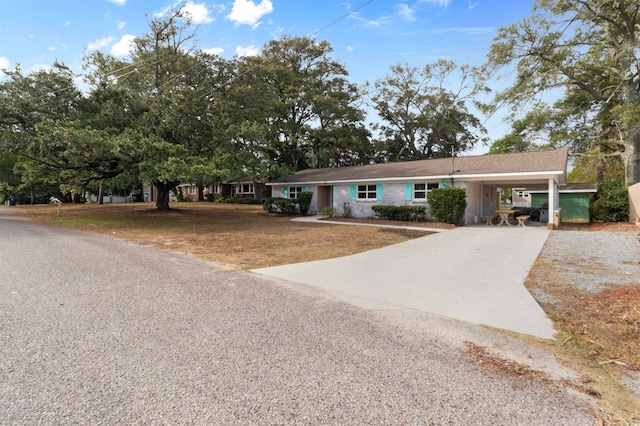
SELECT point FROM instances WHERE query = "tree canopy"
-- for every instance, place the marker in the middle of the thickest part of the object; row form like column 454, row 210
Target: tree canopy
column 170, row 113
column 422, row 116
column 588, row 49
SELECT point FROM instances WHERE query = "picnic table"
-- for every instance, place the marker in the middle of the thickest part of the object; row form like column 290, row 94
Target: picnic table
column 505, row 215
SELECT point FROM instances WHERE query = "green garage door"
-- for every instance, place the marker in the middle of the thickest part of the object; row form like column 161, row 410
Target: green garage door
column 574, row 205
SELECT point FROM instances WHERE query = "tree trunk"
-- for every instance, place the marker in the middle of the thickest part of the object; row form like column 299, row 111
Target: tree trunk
column 631, row 156
column 162, row 199
column 101, row 193
column 200, row 192
column 33, row 196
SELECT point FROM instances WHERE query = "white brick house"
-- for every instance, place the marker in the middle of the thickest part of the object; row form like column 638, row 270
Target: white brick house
column 409, row 183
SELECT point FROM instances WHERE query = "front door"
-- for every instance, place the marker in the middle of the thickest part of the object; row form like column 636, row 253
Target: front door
column 324, row 197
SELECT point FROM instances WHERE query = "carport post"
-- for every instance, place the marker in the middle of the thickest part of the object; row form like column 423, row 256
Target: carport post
column 553, row 200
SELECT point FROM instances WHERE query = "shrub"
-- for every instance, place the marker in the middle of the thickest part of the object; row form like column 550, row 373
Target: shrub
column 329, row 211
column 304, row 201
column 279, row 205
column 406, row 213
column 448, row 205
column 346, row 210
column 612, row 202
column 237, row 200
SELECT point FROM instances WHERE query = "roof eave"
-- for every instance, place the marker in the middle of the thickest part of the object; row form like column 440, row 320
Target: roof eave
column 466, row 177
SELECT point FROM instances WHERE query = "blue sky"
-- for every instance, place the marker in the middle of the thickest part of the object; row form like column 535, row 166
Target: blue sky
column 381, row 33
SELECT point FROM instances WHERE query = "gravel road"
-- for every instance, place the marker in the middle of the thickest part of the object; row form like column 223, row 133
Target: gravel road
column 98, row 331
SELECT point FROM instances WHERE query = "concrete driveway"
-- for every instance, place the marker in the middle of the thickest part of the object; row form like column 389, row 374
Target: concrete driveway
column 474, row 274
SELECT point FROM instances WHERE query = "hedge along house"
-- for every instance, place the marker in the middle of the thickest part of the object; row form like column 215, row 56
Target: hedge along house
column 409, row 183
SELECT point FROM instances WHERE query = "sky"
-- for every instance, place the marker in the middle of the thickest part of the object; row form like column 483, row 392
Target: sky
column 368, row 36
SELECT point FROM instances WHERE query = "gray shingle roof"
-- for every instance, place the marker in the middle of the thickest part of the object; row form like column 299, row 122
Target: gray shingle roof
column 522, row 162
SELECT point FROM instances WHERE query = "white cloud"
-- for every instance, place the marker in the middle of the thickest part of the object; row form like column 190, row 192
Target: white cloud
column 121, row 24
column 350, row 48
column 406, row 12
column 247, row 51
column 51, row 48
column 66, row 24
column 118, row 2
column 162, row 12
column 198, row 13
column 100, row 43
column 246, row 12
column 214, row 51
column 4, row 63
column 124, row 46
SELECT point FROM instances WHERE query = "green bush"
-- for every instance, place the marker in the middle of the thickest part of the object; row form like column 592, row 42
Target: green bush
column 448, row 205
column 304, row 201
column 279, row 205
column 405, row 213
column 329, row 211
column 237, row 200
column 612, row 202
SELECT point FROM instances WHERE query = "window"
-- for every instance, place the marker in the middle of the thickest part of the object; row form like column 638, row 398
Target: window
column 294, row 191
column 523, row 194
column 366, row 192
column 420, row 190
column 215, row 188
column 192, row 190
column 244, row 188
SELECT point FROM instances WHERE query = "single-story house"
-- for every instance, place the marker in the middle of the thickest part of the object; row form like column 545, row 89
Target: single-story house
column 409, row 183
column 234, row 187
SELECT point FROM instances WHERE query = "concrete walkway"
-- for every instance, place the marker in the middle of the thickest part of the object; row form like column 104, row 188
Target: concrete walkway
column 474, row 273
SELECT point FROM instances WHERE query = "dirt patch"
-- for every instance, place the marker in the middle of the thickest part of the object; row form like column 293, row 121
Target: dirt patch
column 599, row 226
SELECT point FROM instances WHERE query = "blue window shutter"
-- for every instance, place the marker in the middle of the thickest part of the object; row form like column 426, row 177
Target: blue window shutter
column 304, row 188
column 408, row 192
column 286, row 192
column 379, row 192
column 353, row 192
column 443, row 184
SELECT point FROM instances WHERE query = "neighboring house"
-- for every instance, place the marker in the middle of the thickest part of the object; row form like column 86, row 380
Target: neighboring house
column 235, row 187
column 574, row 200
column 409, row 183
column 520, row 197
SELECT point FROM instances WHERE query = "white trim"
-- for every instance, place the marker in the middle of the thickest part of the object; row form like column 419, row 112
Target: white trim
column 565, row 191
column 469, row 177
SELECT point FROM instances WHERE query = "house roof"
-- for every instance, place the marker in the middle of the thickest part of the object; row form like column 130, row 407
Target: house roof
column 569, row 187
column 538, row 162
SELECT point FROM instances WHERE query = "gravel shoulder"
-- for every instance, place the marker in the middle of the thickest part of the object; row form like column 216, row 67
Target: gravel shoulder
column 95, row 330
column 587, row 279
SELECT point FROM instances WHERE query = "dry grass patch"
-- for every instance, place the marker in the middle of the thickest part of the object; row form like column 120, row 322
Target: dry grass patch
column 241, row 235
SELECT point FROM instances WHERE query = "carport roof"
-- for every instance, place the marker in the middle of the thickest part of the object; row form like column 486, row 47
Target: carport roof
column 536, row 163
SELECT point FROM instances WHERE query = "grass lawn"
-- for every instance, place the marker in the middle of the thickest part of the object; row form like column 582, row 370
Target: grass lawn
column 244, row 236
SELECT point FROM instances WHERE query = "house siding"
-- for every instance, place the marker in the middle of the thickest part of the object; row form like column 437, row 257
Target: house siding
column 396, row 194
